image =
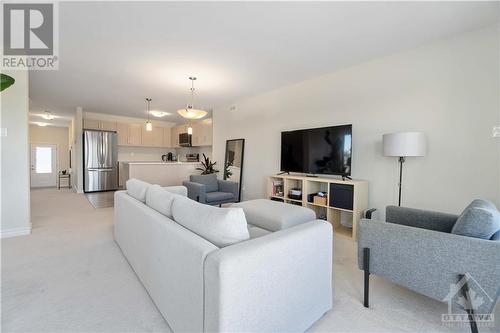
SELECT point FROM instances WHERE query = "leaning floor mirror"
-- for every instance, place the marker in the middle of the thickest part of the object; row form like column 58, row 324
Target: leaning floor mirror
column 233, row 163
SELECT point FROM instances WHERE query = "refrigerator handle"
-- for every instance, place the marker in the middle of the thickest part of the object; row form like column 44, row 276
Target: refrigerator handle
column 101, row 148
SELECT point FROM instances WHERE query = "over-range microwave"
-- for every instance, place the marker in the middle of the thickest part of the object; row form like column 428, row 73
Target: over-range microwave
column 185, row 140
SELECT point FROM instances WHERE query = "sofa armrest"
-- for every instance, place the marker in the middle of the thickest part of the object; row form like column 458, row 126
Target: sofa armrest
column 228, row 186
column 427, row 261
column 196, row 191
column 420, row 218
column 281, row 282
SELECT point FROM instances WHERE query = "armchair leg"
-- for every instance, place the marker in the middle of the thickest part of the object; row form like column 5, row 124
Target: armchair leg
column 470, row 311
column 198, row 198
column 366, row 269
column 220, row 205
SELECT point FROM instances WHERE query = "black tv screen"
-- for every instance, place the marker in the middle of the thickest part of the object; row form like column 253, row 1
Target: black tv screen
column 326, row 150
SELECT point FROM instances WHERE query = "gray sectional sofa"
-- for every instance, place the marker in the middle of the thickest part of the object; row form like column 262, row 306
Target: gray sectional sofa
column 207, row 273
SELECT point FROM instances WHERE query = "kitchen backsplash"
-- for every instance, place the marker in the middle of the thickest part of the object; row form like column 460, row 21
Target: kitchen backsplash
column 154, row 154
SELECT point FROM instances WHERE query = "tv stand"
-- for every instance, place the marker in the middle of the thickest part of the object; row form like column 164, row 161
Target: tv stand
column 345, row 176
column 312, row 176
column 335, row 210
column 283, row 172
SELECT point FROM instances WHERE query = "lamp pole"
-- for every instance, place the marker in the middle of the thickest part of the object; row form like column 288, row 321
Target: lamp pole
column 401, row 161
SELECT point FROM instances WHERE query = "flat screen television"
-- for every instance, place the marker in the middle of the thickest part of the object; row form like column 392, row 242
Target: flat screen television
column 325, row 150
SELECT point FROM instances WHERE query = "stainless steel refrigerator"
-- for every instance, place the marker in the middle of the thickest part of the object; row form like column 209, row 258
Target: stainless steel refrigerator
column 100, row 161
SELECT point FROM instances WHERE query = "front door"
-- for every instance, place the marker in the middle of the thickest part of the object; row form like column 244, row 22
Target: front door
column 43, row 165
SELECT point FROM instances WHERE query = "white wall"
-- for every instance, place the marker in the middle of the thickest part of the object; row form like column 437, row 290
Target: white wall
column 78, row 151
column 53, row 135
column 448, row 89
column 15, row 181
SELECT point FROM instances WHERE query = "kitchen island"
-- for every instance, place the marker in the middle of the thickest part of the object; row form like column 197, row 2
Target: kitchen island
column 161, row 173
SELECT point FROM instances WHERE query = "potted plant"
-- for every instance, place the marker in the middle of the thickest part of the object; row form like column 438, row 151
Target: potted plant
column 6, row 81
column 208, row 166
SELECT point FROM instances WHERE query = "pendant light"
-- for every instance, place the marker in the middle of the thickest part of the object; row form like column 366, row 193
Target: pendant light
column 190, row 112
column 149, row 126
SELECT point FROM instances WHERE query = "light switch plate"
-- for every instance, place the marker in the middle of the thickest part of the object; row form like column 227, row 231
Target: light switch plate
column 3, row 132
column 496, row 132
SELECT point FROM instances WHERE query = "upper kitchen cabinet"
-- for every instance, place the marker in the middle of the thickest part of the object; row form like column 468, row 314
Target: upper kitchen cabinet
column 202, row 133
column 152, row 138
column 99, row 124
column 135, row 134
column 167, row 137
column 123, row 132
column 129, row 134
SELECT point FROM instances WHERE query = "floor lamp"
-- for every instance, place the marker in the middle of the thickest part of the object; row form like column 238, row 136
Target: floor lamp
column 402, row 145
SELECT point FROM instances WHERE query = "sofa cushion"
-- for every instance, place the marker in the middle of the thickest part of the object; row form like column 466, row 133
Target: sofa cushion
column 160, row 199
column 137, row 189
column 480, row 219
column 274, row 215
column 220, row 226
column 256, row 232
column 210, row 181
column 219, row 196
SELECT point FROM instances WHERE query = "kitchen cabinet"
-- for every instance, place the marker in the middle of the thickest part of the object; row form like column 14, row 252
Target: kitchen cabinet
column 202, row 133
column 99, row 124
column 129, row 134
column 196, row 137
column 152, row 138
column 108, row 125
column 123, row 132
column 167, row 137
column 135, row 134
column 91, row 124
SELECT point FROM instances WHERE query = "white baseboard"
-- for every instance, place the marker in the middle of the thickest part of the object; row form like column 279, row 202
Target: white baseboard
column 15, row 232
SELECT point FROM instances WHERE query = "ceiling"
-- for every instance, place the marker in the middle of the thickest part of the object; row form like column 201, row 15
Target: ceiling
column 114, row 55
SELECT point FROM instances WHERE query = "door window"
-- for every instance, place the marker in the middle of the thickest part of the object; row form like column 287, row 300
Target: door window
column 43, row 160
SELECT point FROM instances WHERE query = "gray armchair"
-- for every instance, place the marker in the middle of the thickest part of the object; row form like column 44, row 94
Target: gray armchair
column 415, row 249
column 209, row 190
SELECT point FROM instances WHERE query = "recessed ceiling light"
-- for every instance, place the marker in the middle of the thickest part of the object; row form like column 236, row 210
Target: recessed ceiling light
column 159, row 114
column 47, row 115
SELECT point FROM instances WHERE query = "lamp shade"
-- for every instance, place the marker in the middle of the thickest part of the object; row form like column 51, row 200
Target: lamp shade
column 404, row 144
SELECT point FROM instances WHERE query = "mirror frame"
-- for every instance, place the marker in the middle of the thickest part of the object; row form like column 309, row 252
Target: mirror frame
column 242, row 159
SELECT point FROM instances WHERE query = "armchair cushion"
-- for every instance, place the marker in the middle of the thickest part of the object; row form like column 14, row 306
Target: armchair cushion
column 220, row 226
column 210, row 181
column 480, row 219
column 228, row 186
column 219, row 196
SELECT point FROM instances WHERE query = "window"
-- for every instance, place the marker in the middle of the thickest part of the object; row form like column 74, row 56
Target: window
column 43, row 160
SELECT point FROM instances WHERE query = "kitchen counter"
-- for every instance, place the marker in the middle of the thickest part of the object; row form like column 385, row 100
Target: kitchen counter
column 161, row 173
column 157, row 162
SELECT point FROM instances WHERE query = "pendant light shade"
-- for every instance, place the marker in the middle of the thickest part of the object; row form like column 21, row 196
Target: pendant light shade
column 149, row 126
column 190, row 112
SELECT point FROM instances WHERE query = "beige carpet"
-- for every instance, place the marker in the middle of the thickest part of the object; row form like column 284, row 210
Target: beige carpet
column 70, row 276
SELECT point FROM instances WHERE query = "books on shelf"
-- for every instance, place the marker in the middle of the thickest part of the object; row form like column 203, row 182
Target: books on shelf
column 278, row 188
